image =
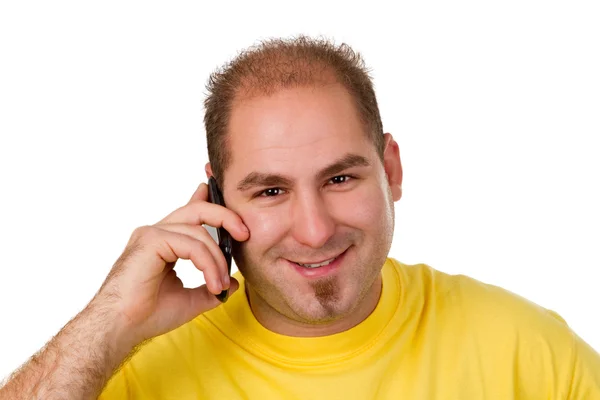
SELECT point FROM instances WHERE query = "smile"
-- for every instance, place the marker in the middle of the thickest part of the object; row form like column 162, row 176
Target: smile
column 317, row 269
column 317, row 265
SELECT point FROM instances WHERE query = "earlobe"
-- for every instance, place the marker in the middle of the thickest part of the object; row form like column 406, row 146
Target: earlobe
column 393, row 166
column 208, row 170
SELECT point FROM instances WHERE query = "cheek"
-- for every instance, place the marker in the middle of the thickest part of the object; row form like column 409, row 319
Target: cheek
column 362, row 208
column 266, row 227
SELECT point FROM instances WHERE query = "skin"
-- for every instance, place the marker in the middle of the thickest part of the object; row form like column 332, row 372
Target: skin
column 141, row 298
column 296, row 133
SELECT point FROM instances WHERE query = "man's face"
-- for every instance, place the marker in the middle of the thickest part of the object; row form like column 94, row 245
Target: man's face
column 297, row 211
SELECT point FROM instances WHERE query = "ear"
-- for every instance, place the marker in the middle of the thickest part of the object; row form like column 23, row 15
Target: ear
column 208, row 170
column 393, row 166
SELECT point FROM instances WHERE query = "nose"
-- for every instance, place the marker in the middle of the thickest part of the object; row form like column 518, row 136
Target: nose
column 313, row 224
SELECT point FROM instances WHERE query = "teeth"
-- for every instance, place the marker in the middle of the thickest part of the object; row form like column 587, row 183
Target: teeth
column 318, row 265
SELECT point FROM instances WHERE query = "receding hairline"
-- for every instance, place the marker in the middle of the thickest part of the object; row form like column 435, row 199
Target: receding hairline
column 317, row 76
column 329, row 81
column 280, row 63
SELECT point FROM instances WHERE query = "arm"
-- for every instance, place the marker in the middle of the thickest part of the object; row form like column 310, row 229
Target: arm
column 76, row 363
column 142, row 297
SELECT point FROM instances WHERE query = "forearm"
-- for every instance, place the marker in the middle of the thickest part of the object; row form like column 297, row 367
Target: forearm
column 76, row 363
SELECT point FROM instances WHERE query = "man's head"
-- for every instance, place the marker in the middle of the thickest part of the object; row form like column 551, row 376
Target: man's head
column 284, row 64
column 296, row 143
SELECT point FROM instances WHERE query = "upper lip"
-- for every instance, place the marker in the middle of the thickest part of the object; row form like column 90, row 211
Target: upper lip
column 318, row 262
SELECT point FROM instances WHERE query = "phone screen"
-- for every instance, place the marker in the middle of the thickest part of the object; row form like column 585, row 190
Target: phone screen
column 223, row 237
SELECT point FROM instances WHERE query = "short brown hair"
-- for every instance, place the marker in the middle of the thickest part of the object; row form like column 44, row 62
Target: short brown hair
column 276, row 64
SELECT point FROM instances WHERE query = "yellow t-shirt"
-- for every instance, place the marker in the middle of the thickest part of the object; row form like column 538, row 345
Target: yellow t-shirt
column 431, row 336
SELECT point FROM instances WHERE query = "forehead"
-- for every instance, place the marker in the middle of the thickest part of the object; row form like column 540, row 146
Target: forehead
column 294, row 129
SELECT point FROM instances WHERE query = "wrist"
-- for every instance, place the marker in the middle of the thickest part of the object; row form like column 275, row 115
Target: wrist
column 113, row 329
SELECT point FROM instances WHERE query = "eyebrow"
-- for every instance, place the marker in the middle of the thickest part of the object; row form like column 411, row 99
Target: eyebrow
column 255, row 179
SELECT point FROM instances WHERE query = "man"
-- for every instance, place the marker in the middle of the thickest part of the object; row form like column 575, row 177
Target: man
column 319, row 311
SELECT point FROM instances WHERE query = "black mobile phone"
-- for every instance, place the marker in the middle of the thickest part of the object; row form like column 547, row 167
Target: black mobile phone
column 223, row 237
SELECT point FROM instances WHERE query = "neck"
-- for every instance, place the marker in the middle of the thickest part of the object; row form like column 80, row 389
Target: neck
column 281, row 324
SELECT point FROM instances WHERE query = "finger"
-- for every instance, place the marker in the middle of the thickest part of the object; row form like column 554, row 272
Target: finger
column 201, row 212
column 184, row 304
column 200, row 233
column 173, row 246
column 201, row 300
column 201, row 193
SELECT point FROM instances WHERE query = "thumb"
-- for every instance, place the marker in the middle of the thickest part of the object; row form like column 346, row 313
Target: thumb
column 202, row 300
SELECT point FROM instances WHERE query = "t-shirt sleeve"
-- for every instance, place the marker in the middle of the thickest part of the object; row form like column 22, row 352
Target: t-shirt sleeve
column 545, row 357
column 585, row 380
column 116, row 388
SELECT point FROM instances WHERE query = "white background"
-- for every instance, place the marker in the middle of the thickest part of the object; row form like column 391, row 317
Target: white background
column 495, row 105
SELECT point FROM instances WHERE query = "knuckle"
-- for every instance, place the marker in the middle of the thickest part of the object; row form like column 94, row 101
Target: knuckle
column 199, row 248
column 233, row 217
column 147, row 233
column 139, row 232
column 201, row 254
column 197, row 232
column 202, row 232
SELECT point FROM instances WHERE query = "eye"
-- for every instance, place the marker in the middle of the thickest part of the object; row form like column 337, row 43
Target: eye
column 271, row 192
column 341, row 179
column 274, row 192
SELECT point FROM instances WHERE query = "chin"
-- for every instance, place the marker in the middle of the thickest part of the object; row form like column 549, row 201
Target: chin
column 327, row 303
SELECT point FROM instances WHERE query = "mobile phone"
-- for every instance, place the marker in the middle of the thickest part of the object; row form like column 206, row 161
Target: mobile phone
column 223, row 237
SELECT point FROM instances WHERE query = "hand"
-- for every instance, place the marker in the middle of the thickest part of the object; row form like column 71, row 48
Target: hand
column 143, row 289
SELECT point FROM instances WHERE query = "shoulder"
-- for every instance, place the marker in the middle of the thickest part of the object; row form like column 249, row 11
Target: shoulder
column 478, row 303
column 484, row 320
column 489, row 333
column 502, row 331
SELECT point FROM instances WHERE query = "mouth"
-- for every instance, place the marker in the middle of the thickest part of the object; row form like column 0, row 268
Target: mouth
column 316, row 264
column 315, row 269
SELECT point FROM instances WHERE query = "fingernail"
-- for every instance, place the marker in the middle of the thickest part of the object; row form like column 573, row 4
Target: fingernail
column 244, row 228
column 218, row 286
column 223, row 296
column 226, row 281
